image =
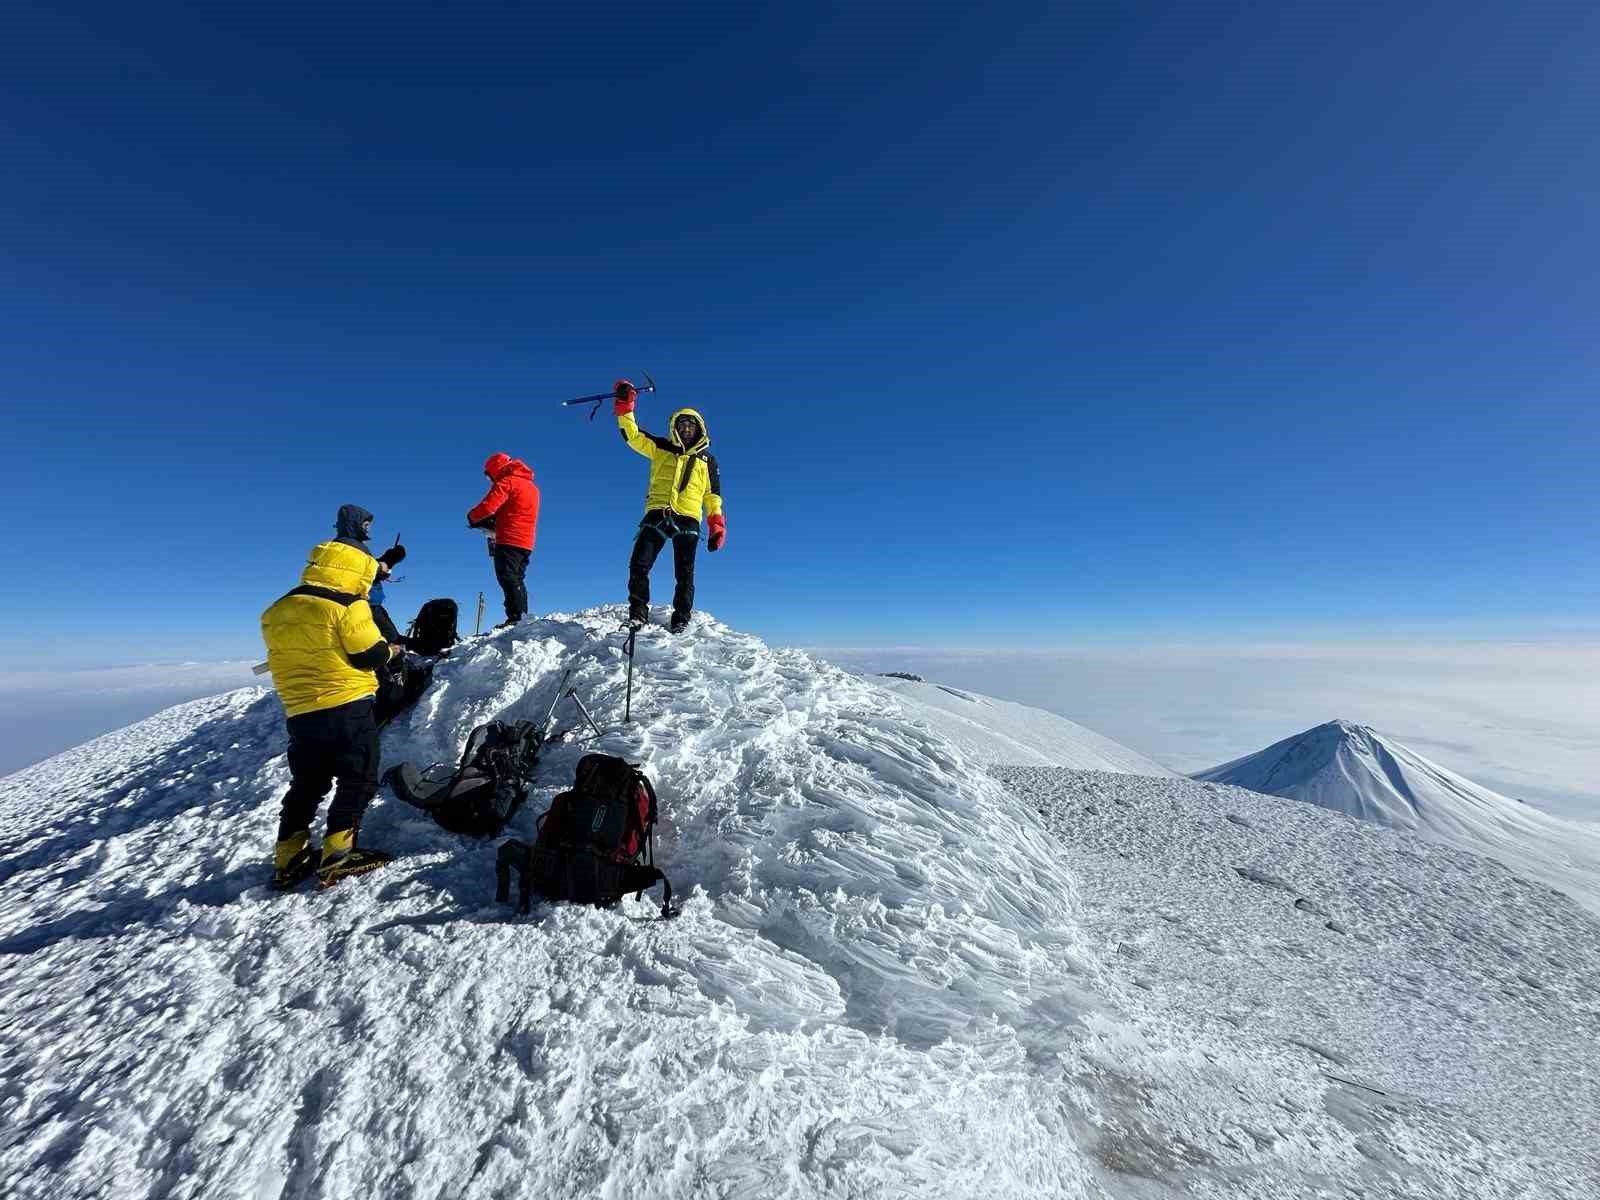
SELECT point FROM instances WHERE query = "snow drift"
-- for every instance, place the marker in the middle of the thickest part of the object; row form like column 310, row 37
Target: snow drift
column 1354, row 769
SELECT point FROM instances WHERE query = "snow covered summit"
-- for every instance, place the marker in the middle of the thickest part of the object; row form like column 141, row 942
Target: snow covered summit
column 1356, row 770
column 875, row 974
column 887, row 980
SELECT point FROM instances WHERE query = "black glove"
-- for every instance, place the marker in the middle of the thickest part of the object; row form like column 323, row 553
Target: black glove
column 393, row 557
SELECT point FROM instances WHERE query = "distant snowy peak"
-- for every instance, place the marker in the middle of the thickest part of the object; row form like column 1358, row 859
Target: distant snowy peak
column 1000, row 733
column 1356, row 770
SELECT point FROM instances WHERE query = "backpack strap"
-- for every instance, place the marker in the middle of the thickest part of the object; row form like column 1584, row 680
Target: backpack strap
column 643, row 878
column 668, row 909
column 475, row 743
column 649, row 790
column 640, row 779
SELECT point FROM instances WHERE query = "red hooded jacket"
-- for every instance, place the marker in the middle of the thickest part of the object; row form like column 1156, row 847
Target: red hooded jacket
column 512, row 502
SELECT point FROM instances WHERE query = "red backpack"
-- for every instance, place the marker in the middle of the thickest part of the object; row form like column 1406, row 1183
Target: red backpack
column 596, row 844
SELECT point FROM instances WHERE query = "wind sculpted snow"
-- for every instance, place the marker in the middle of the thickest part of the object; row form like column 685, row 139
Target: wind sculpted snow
column 881, row 984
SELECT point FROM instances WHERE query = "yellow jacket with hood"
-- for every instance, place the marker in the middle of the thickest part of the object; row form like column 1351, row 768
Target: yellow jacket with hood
column 322, row 644
column 684, row 479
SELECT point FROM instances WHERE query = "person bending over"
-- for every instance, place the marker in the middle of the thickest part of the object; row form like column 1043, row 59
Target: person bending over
column 324, row 650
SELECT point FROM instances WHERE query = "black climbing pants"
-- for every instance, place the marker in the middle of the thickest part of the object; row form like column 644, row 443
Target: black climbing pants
column 511, row 569
column 331, row 744
column 658, row 527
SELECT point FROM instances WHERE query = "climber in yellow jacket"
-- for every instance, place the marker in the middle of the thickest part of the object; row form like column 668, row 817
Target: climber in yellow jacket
column 323, row 649
column 685, row 483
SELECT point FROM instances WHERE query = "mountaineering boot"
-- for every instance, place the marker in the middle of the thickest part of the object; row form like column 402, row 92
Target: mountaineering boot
column 293, row 862
column 342, row 858
column 679, row 624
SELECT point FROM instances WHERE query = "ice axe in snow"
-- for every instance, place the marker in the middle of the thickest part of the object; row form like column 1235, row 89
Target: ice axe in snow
column 602, row 397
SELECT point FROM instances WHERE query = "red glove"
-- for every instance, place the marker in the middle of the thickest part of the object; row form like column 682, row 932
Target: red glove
column 626, row 395
column 718, row 525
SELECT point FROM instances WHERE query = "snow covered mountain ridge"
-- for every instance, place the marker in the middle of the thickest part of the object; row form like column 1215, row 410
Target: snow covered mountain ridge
column 1000, row 732
column 1354, row 769
column 886, row 981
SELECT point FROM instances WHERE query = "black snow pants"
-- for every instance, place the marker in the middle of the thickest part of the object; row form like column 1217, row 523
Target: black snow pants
column 332, row 744
column 658, row 527
column 511, row 569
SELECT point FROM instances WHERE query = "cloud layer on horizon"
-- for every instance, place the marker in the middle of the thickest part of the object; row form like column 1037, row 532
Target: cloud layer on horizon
column 1521, row 718
column 45, row 712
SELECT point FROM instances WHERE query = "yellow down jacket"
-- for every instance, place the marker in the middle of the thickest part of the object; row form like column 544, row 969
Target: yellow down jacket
column 322, row 644
column 684, row 479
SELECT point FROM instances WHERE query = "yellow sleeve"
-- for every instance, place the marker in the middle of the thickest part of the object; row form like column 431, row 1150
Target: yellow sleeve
column 713, row 487
column 635, row 439
column 359, row 634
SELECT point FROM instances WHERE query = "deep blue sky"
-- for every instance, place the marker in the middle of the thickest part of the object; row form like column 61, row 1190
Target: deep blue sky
column 1013, row 323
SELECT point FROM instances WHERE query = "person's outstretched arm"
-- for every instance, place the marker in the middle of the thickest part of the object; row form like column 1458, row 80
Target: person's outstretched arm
column 641, row 442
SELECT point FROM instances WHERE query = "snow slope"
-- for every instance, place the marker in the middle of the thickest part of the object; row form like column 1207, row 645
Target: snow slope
column 1354, row 769
column 886, row 981
column 998, row 731
column 1428, row 984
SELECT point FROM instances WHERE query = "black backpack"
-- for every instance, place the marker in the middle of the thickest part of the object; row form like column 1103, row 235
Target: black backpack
column 596, row 844
column 434, row 630
column 484, row 792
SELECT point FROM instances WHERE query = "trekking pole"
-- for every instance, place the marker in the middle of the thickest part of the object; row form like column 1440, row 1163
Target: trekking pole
column 550, row 713
column 601, row 398
column 478, row 624
column 627, row 648
column 578, row 700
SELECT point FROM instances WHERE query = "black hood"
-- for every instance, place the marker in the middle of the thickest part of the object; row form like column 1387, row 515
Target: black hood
column 347, row 528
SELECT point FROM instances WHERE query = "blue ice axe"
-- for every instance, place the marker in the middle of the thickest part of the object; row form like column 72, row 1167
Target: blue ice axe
column 598, row 400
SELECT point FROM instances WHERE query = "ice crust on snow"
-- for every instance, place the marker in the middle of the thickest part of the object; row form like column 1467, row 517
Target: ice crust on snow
column 1354, row 769
column 887, row 980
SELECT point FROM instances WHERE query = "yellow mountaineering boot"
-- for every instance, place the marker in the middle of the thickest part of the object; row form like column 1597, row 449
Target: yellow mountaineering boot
column 341, row 858
column 293, row 861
